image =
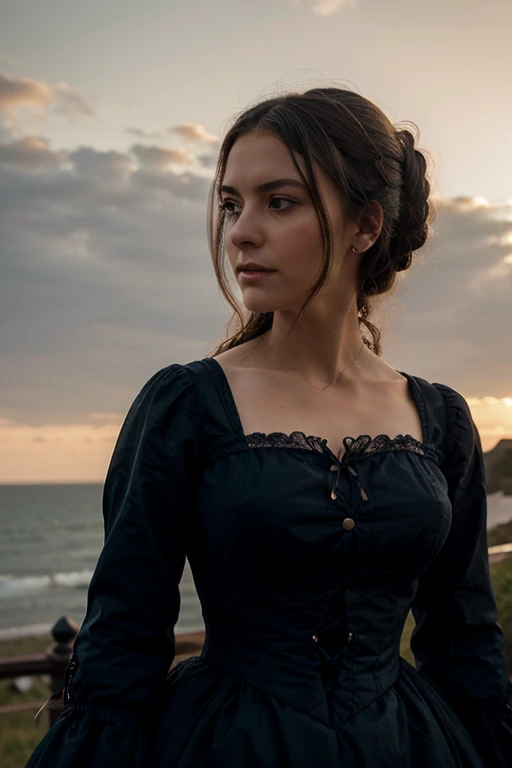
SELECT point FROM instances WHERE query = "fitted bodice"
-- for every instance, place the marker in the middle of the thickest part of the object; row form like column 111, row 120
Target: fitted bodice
column 306, row 572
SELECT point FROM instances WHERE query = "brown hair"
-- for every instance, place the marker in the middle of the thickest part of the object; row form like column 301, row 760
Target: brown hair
column 368, row 159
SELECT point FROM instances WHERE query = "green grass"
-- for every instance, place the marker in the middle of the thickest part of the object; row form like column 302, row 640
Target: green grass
column 501, row 534
column 19, row 734
column 501, row 574
column 502, row 582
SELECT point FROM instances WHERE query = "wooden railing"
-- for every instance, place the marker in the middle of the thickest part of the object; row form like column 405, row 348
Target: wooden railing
column 54, row 661
column 499, row 552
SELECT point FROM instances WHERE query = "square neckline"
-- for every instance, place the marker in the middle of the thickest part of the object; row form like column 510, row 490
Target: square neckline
column 348, row 441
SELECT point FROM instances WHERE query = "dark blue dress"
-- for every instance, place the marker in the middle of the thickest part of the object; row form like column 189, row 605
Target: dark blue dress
column 306, row 567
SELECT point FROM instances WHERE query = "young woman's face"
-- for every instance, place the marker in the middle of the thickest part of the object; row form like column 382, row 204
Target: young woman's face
column 278, row 228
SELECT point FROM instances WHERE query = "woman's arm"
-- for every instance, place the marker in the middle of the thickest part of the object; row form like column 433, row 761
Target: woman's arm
column 457, row 642
column 125, row 645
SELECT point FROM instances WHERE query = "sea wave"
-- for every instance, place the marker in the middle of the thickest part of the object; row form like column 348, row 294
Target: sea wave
column 21, row 586
column 31, row 630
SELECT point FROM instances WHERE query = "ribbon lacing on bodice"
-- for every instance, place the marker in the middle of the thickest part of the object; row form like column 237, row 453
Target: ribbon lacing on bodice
column 332, row 635
column 354, row 446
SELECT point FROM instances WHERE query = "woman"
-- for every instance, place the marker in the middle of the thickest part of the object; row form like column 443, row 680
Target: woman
column 308, row 547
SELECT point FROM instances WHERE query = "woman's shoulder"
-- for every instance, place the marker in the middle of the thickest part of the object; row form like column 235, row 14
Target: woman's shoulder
column 167, row 395
column 172, row 380
column 453, row 400
column 197, row 381
column 175, row 381
column 453, row 427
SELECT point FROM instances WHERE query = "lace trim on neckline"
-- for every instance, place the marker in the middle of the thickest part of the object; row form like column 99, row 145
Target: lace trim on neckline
column 354, row 446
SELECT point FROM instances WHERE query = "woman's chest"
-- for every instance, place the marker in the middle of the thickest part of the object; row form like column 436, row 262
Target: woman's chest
column 268, row 403
column 267, row 508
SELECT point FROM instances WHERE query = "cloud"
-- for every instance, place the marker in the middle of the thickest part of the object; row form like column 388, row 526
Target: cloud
column 103, row 259
column 326, row 7
column 80, row 452
column 18, row 92
column 29, row 153
column 194, row 135
column 194, row 132
column 107, row 277
column 106, row 169
column 493, row 416
column 68, row 101
column 457, row 298
column 140, row 134
column 156, row 158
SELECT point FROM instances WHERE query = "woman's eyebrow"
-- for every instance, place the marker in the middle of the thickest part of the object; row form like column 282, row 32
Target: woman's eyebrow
column 268, row 185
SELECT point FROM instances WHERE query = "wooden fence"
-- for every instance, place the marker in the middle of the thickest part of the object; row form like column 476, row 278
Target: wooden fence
column 53, row 662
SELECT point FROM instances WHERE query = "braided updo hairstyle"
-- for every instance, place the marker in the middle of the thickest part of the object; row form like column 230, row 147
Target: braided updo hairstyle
column 368, row 159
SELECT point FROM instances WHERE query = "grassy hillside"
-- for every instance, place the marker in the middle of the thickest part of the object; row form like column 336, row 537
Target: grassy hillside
column 501, row 534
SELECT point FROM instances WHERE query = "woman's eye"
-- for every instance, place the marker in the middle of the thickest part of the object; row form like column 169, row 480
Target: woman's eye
column 224, row 205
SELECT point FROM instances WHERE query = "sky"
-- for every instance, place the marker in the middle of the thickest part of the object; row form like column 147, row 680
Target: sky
column 111, row 117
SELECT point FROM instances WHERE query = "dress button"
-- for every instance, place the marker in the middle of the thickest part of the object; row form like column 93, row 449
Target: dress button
column 333, row 468
column 350, row 637
column 315, row 638
column 348, row 524
column 334, row 495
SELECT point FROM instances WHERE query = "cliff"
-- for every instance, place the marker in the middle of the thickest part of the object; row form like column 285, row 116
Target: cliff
column 498, row 468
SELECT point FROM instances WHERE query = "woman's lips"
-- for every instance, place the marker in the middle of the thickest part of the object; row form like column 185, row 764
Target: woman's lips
column 253, row 275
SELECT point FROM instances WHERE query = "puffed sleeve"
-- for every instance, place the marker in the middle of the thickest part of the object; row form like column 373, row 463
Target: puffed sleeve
column 126, row 642
column 457, row 642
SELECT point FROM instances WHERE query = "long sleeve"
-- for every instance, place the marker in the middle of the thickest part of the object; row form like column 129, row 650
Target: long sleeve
column 126, row 642
column 457, row 642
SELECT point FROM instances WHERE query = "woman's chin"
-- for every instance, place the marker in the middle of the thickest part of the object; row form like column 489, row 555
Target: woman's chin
column 267, row 303
column 257, row 303
column 258, row 300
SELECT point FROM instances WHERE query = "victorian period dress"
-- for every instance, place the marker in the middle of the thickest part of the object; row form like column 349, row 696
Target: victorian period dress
column 306, row 567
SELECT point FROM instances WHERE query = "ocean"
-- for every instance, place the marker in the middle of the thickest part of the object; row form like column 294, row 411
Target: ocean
column 50, row 540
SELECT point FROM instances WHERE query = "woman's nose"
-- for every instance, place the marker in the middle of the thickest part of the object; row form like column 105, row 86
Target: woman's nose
column 245, row 229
